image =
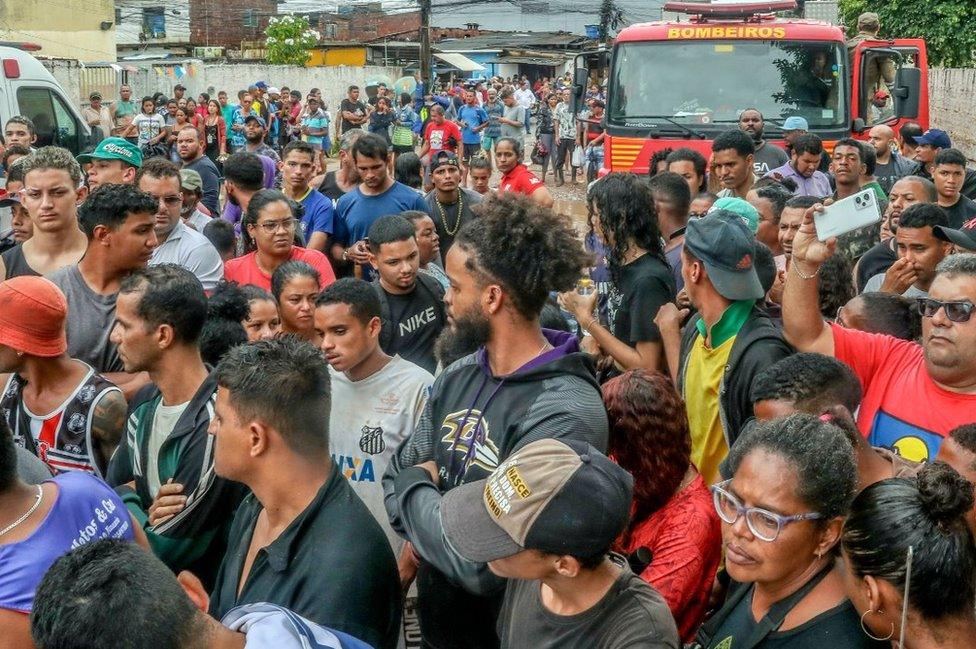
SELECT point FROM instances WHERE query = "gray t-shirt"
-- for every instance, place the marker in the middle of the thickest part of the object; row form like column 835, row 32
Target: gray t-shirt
column 90, row 320
column 516, row 113
column 631, row 615
column 767, row 158
column 874, row 286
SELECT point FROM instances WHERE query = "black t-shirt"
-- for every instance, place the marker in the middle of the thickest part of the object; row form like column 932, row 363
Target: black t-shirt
column 896, row 168
column 875, row 261
column 330, row 188
column 838, row 627
column 645, row 285
column 631, row 615
column 449, row 212
column 332, row 565
column 416, row 319
column 356, row 107
column 962, row 211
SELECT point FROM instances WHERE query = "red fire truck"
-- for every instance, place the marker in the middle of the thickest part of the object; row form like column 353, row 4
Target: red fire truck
column 679, row 84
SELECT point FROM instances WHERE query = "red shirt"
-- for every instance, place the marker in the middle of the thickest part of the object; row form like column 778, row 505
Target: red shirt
column 244, row 270
column 903, row 409
column 437, row 135
column 521, row 181
column 685, row 539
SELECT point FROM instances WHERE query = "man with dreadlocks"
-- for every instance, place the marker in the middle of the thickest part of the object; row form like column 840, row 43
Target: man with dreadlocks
column 524, row 384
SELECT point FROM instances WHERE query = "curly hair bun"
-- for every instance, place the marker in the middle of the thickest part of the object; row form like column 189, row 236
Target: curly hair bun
column 945, row 495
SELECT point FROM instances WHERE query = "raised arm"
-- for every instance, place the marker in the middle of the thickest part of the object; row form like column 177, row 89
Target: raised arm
column 803, row 326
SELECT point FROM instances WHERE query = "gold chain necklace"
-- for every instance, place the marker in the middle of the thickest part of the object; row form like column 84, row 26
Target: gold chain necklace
column 457, row 222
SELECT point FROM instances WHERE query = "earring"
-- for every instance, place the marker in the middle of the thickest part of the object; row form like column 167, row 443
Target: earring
column 868, row 633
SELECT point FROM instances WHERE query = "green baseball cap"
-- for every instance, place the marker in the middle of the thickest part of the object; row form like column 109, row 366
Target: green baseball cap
column 114, row 148
column 741, row 207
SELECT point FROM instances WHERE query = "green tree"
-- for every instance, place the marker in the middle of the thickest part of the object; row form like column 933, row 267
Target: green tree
column 289, row 39
column 948, row 26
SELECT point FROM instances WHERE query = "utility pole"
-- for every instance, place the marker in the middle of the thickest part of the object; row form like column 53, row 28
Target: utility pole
column 425, row 72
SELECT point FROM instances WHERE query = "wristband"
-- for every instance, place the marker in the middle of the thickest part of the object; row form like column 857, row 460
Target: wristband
column 589, row 324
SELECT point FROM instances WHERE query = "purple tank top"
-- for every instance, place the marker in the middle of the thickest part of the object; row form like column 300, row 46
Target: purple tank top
column 86, row 510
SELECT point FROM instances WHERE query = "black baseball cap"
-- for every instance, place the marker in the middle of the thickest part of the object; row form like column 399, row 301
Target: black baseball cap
column 443, row 158
column 724, row 243
column 962, row 237
column 558, row 496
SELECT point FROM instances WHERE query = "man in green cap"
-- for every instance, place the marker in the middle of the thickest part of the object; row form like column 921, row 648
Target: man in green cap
column 114, row 161
column 191, row 186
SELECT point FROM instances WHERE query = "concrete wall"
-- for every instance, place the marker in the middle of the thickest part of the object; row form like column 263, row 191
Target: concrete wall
column 212, row 77
column 331, row 81
column 63, row 28
column 951, row 92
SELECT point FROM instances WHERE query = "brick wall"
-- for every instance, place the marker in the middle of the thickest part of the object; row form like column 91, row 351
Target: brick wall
column 222, row 22
column 951, row 92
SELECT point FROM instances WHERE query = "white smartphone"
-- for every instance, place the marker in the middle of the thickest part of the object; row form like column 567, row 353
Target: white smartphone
column 847, row 215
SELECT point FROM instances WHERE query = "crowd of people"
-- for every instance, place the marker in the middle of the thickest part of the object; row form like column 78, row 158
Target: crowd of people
column 251, row 402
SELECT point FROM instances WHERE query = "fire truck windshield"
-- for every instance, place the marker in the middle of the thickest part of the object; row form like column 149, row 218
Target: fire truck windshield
column 705, row 82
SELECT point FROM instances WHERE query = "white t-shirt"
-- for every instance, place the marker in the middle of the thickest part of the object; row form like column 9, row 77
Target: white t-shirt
column 369, row 420
column 164, row 421
column 148, row 126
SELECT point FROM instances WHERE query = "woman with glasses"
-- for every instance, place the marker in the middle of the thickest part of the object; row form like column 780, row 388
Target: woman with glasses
column 295, row 286
column 911, row 560
column 672, row 515
column 268, row 230
column 792, row 482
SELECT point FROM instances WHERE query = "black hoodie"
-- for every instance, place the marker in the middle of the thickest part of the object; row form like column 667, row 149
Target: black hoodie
column 480, row 420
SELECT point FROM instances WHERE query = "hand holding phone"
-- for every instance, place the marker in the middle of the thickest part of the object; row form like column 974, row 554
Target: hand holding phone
column 847, row 215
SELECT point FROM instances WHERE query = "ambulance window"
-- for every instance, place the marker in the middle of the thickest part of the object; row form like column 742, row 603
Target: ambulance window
column 53, row 121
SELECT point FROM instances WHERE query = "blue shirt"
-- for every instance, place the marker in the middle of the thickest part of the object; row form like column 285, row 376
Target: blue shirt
column 316, row 121
column 357, row 212
column 474, row 116
column 237, row 137
column 318, row 216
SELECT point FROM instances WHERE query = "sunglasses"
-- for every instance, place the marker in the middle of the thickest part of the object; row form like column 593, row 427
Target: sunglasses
column 956, row 311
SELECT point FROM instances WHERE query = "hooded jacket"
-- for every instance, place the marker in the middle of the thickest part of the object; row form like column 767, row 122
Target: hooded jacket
column 758, row 345
column 473, row 421
column 195, row 536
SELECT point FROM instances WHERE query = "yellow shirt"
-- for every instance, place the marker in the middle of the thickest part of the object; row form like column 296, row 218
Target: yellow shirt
column 703, row 376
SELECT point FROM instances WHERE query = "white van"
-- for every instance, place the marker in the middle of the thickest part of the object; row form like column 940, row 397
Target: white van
column 28, row 89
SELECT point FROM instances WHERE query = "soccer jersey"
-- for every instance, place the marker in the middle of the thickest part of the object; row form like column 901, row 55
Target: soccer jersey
column 62, row 438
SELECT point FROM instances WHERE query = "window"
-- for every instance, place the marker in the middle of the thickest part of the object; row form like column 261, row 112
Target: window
column 53, row 120
column 331, row 30
column 118, row 15
column 153, row 22
column 250, row 18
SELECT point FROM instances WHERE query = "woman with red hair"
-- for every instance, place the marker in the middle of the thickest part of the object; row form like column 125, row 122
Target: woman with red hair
column 672, row 514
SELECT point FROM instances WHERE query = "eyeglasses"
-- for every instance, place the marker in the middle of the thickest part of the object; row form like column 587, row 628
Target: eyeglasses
column 958, row 311
column 272, row 226
column 697, row 215
column 170, row 201
column 765, row 525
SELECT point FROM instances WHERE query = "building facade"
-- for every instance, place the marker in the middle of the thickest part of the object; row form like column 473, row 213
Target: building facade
column 72, row 29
